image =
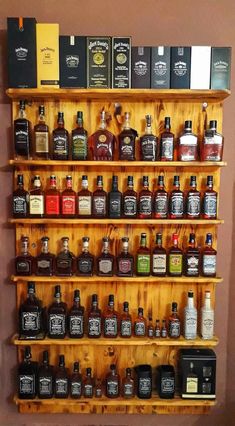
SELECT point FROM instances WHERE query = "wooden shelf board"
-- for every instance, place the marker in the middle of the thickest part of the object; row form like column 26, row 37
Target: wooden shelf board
column 159, row 164
column 95, row 278
column 137, row 94
column 108, row 221
column 102, row 341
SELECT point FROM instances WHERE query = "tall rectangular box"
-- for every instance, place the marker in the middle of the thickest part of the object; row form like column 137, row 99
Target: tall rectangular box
column 72, row 61
column 99, row 62
column 160, row 67
column 121, row 62
column 22, row 60
column 48, row 55
column 220, row 67
column 180, row 67
column 200, row 67
column 140, row 67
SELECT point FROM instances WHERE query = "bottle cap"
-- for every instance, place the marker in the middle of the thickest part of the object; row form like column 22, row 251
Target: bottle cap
column 209, row 180
column 27, row 352
column 60, row 115
column 94, row 298
column 84, row 177
column 128, row 370
column 31, row 285
column 125, row 305
column 140, row 310
column 160, row 180
column 61, row 360
column 88, row 371
column 148, row 119
column 191, row 237
column 20, row 179
column 213, row 124
column 115, row 179
column 175, row 237
column 53, row 177
column 68, row 177
column 105, row 239
column 99, row 180
column 158, row 237
column 130, row 180
column 190, row 294
column 208, row 238
column 45, row 356
column 45, row 239
column 57, row 290
column 193, row 180
column 41, row 110
column 80, row 115
column 150, row 318
column 111, row 298
column 167, row 122
column 76, row 294
column 113, row 367
column 125, row 239
column 174, row 306
column 176, row 180
column 207, row 294
column 145, row 180
column 85, row 239
column 22, row 104
column 188, row 125
column 76, row 366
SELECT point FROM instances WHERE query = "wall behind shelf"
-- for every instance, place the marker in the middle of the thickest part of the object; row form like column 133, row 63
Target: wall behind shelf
column 149, row 22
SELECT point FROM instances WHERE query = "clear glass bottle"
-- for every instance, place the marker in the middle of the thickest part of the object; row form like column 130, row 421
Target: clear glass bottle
column 188, row 144
column 191, row 258
column 212, row 144
column 99, row 200
column 175, row 259
column 45, row 261
column 207, row 318
column 167, row 142
column 24, row 262
column 60, row 140
column 143, row 258
column 159, row 258
column 174, row 326
column 193, row 200
column 88, row 384
column 103, row 141
column 128, row 385
column 30, row 314
column 112, row 383
column 160, row 200
column 110, row 319
column 140, row 324
column 79, row 140
column 45, row 378
column 75, row 382
column 68, row 200
column 130, row 199
column 127, row 139
column 190, row 318
column 61, row 379
column 114, row 200
column 145, row 200
column 84, row 200
column 148, row 142
column 22, row 134
column 57, row 316
column 65, row 261
column 176, row 200
column 94, row 319
column 76, row 318
column 105, row 262
column 85, row 260
column 209, row 203
column 27, row 376
column 125, row 321
column 52, row 199
column 209, row 255
column 36, row 199
column 20, row 199
column 125, row 260
column 41, row 136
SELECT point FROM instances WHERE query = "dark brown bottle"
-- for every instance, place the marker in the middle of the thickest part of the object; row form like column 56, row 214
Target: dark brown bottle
column 27, row 376
column 88, row 384
column 167, row 142
column 65, row 261
column 22, row 134
column 140, row 324
column 75, row 382
column 30, row 314
column 45, row 378
column 157, row 329
column 24, row 263
column 61, row 379
column 150, row 328
column 76, row 318
column 193, row 200
column 209, row 207
column 164, row 332
column 41, row 136
column 130, row 200
column 79, row 140
column 110, row 319
column 209, row 258
column 125, row 321
column 175, row 259
column 20, row 199
column 112, row 383
column 60, row 140
column 145, row 200
column 174, row 323
column 85, row 260
column 99, row 200
column 191, row 258
column 128, row 385
column 105, row 262
column 159, row 264
column 127, row 139
column 125, row 261
column 94, row 319
column 160, row 200
column 103, row 141
column 148, row 142
column 176, row 201
column 56, row 317
column 45, row 261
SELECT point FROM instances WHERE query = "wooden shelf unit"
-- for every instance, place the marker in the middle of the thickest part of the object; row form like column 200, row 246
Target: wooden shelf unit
column 154, row 294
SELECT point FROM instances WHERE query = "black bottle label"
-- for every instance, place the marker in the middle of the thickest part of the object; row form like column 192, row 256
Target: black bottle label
column 193, row 205
column 126, row 328
column 128, row 389
column 161, row 205
column 127, row 149
column 148, row 148
column 130, row 205
column 167, row 148
column 145, row 206
column 177, row 205
column 145, row 386
column 30, row 321
column 114, row 206
column 174, row 328
column 76, row 325
column 99, row 205
column 94, row 326
column 22, row 137
column 112, row 388
column 85, row 266
column 27, row 384
column 23, row 266
column 57, row 324
column 140, row 329
column 167, row 385
column 210, row 205
column 192, row 265
column 88, row 390
column 61, row 386
column 60, row 145
column 76, row 388
column 64, row 263
column 45, row 385
column 19, row 205
column 110, row 327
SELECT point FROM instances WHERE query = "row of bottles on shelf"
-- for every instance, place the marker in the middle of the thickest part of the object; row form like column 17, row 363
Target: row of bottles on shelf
column 146, row 204
column 57, row 320
column 102, row 142
column 160, row 262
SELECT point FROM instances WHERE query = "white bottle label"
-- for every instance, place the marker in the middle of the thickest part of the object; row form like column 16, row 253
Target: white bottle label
column 36, row 204
column 207, row 324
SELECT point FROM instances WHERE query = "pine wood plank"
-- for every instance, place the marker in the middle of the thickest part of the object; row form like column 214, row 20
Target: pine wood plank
column 108, row 221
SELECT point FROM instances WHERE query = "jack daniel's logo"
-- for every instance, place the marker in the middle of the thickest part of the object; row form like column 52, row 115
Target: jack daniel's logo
column 180, row 68
column 72, row 61
column 141, row 68
column 221, row 66
column 160, row 68
column 98, row 43
column 21, row 52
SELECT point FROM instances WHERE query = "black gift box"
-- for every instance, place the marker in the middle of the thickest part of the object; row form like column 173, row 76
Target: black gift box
column 121, row 62
column 72, row 61
column 220, row 67
column 140, row 67
column 160, row 67
column 99, row 62
column 180, row 67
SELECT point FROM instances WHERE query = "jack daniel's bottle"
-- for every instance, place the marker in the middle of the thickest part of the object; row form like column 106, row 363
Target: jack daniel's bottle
column 57, row 317
column 76, row 317
column 27, row 376
column 30, row 314
column 22, row 134
column 85, row 261
column 20, row 199
column 110, row 319
column 60, row 140
column 127, row 139
column 103, row 142
column 148, row 142
column 45, row 378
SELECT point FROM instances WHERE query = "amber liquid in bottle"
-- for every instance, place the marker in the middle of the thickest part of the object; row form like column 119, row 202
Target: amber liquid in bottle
column 125, row 261
column 193, row 200
column 85, row 261
column 60, row 140
column 148, row 142
column 88, row 385
column 45, row 261
column 167, row 142
column 125, row 321
column 130, row 200
column 209, row 207
column 61, row 379
column 209, row 258
column 94, row 319
column 110, row 319
column 145, row 200
column 176, row 201
column 105, row 262
column 127, row 139
column 99, row 200
column 76, row 318
column 213, row 144
column 112, row 383
column 65, row 261
column 188, row 144
column 191, row 258
column 24, row 263
column 41, row 136
column 128, row 385
column 103, row 142
column 174, row 323
column 160, row 200
column 175, row 259
column 75, row 382
column 20, row 199
column 56, row 317
column 79, row 140
column 140, row 326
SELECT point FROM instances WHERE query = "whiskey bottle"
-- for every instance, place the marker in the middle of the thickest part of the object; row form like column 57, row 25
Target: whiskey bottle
column 167, row 142
column 112, row 383
column 52, row 199
column 65, row 261
column 110, row 319
column 103, row 142
column 114, row 200
column 79, row 140
column 30, row 314
column 148, row 142
column 175, row 259
column 20, row 199
column 98, row 388
column 143, row 258
column 99, row 200
column 207, row 318
column 24, row 263
column 45, row 261
column 213, row 144
column 145, row 200
column 84, row 199
column 68, row 199
column 193, row 200
column 75, row 382
column 22, row 134
column 36, row 199
column 76, row 318
column 128, row 385
column 191, row 258
column 41, row 136
column 164, row 332
column 150, row 329
column 27, row 376
column 190, row 318
column 130, row 199
column 127, row 139
column 85, row 260
column 56, row 317
column 88, row 384
column 94, row 319
column 45, row 378
column 60, row 140
column 157, row 329
column 176, row 201
column 140, row 324
column 209, row 201
column 159, row 258
column 125, row 321
column 105, row 262
column 174, row 323
column 160, row 200
column 61, row 379
column 209, row 258
column 125, row 261
column 191, row 381
column 188, row 144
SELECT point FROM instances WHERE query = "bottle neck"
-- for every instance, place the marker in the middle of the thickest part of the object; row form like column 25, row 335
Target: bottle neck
column 207, row 304
column 148, row 129
column 45, row 247
column 22, row 113
column 41, row 119
column 190, row 302
column 58, row 298
column 103, row 124
column 24, row 247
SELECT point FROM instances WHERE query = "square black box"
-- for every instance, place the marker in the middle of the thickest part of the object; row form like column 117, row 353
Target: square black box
column 220, row 67
column 73, row 61
column 140, row 67
column 160, row 67
column 121, row 62
column 180, row 67
column 99, row 62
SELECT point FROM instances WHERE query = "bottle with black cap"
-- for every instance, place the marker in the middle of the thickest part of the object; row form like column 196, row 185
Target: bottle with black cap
column 79, row 140
column 140, row 326
column 212, row 144
column 99, row 200
column 167, row 142
column 20, row 199
column 148, row 142
column 209, row 204
column 145, row 200
column 41, row 136
column 88, row 384
column 57, row 313
column 188, row 144
column 45, row 261
column 130, row 199
column 27, row 376
column 193, row 200
column 76, row 317
column 125, row 321
column 94, row 319
column 209, row 255
column 125, row 260
column 112, row 383
column 76, row 382
column 45, row 378
column 60, row 140
column 128, row 385
column 61, row 379
column 176, row 200
column 126, row 140
column 160, row 200
column 191, row 258
column 30, row 314
column 84, row 200
column 105, row 262
column 22, row 134
column 114, row 200
column 159, row 264
column 110, row 319
column 174, row 322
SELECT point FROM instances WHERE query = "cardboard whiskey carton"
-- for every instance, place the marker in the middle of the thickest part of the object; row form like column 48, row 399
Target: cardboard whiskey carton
column 72, row 61
column 140, row 67
column 180, row 67
column 48, row 55
column 200, row 67
column 160, row 67
column 220, row 67
column 21, row 40
column 99, row 62
column 121, row 62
